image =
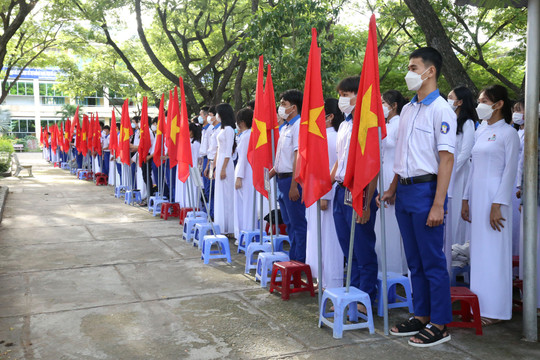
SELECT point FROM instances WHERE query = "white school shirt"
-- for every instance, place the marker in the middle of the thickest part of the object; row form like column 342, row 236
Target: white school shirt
column 212, row 142
column 342, row 146
column 287, row 145
column 425, row 128
column 105, row 142
column 206, row 131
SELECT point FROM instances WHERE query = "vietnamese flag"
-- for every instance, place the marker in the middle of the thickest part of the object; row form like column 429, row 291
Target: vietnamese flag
column 75, row 124
column 173, row 116
column 312, row 168
column 270, row 103
column 144, row 143
column 158, row 148
column 113, row 138
column 91, row 126
column 84, row 135
column 67, row 131
column 259, row 148
column 46, row 136
column 53, row 138
column 363, row 163
column 97, row 137
column 183, row 144
column 125, row 133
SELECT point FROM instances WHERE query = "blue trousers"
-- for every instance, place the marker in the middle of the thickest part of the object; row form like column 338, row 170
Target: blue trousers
column 364, row 262
column 106, row 159
column 294, row 216
column 119, row 169
column 424, row 251
column 170, row 188
column 206, row 181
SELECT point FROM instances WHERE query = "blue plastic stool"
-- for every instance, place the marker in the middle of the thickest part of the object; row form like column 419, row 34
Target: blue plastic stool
column 195, row 214
column 202, row 229
column 82, row 174
column 189, row 227
column 74, row 170
column 278, row 242
column 224, row 251
column 156, row 208
column 341, row 299
column 247, row 237
column 119, row 190
column 152, row 199
column 252, row 249
column 265, row 261
column 65, row 166
column 394, row 300
column 132, row 196
column 456, row 270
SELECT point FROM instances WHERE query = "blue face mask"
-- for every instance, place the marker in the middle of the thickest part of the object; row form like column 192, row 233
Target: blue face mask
column 236, row 131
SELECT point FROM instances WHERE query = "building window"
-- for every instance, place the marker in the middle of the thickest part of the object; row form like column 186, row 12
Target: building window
column 21, row 88
column 23, row 127
column 95, row 99
column 51, row 96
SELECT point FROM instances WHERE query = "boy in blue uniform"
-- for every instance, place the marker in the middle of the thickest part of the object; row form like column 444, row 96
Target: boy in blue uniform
column 423, row 165
column 364, row 261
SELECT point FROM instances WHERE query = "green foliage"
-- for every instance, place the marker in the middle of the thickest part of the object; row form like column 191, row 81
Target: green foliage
column 6, row 145
column 6, row 149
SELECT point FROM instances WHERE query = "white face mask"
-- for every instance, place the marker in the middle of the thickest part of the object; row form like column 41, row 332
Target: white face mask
column 218, row 119
column 414, row 81
column 282, row 112
column 344, row 105
column 201, row 119
column 452, row 104
column 386, row 111
column 153, row 127
column 133, row 125
column 518, row 119
column 103, row 133
column 484, row 111
column 209, row 119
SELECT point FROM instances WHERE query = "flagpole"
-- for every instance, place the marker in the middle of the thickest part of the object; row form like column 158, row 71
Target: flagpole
column 351, row 245
column 383, row 240
column 319, row 252
column 275, row 189
column 254, row 208
column 261, row 219
column 270, row 218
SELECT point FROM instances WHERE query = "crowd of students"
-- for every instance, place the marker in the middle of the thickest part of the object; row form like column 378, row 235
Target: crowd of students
column 452, row 166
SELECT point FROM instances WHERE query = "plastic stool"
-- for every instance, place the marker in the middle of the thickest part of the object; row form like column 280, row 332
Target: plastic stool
column 247, row 237
column 282, row 229
column 101, row 179
column 265, row 263
column 224, row 251
column 341, row 299
column 394, row 300
column 74, row 170
column 183, row 213
column 202, row 229
column 89, row 176
column 152, row 200
column 194, row 214
column 119, row 190
column 132, row 196
column 189, row 227
column 456, row 270
column 65, row 166
column 57, row 164
column 156, row 209
column 252, row 249
column 468, row 301
column 291, row 270
column 82, row 174
column 278, row 242
column 169, row 210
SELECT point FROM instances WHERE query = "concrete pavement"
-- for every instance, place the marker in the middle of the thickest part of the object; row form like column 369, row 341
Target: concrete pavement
column 83, row 276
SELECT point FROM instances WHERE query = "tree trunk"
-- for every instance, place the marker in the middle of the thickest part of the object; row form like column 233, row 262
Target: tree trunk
column 436, row 37
column 238, row 102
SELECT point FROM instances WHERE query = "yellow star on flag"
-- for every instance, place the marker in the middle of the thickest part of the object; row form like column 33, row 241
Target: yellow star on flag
column 312, row 122
column 367, row 119
column 84, row 136
column 175, row 129
column 125, row 134
column 263, row 139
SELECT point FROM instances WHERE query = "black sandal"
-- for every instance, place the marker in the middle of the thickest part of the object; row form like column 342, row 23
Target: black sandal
column 431, row 336
column 409, row 327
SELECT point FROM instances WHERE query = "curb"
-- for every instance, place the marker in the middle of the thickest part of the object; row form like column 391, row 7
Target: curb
column 4, row 190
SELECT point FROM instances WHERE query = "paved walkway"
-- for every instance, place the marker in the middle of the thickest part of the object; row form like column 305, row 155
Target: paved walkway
column 83, row 276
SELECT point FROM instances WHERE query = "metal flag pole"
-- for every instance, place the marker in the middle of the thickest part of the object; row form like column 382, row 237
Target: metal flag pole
column 198, row 180
column 148, row 185
column 270, row 213
column 319, row 252
column 275, row 187
column 383, row 239
column 254, row 208
column 261, row 219
column 210, row 174
column 171, row 200
column 530, row 172
column 351, row 245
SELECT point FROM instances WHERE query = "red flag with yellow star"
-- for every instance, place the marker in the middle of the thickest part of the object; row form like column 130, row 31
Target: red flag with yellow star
column 125, row 133
column 259, row 148
column 363, row 163
column 113, row 137
column 173, row 115
column 84, row 135
column 312, row 168
column 158, row 148
column 145, row 143
column 183, row 155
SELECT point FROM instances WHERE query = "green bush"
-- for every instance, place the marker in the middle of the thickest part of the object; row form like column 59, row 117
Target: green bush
column 6, row 146
column 6, row 149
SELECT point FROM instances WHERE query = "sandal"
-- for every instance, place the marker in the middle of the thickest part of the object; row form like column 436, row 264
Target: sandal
column 409, row 327
column 431, row 336
column 489, row 321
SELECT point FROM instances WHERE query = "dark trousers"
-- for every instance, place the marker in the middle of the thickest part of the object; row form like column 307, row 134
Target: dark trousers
column 294, row 216
column 424, row 251
column 364, row 262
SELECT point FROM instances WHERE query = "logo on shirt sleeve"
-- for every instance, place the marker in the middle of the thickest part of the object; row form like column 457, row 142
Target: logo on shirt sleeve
column 445, row 128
